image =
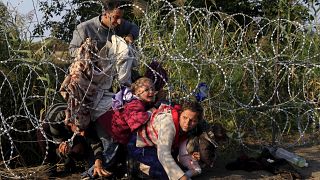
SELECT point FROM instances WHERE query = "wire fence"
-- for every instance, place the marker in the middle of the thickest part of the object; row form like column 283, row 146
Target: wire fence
column 263, row 75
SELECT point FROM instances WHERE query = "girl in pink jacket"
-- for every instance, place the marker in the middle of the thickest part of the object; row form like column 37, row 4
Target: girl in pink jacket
column 123, row 120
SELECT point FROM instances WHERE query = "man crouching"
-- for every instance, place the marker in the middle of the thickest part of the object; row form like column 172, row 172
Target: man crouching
column 69, row 140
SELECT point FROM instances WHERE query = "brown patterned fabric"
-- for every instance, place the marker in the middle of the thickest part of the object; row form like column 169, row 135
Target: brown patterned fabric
column 86, row 88
column 78, row 89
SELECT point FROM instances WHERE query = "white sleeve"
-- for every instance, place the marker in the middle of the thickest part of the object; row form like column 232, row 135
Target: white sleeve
column 166, row 136
column 120, row 51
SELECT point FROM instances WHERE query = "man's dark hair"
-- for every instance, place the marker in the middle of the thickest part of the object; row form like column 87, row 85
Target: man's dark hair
column 110, row 5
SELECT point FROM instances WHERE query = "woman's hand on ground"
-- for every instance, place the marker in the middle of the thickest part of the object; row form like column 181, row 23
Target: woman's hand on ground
column 99, row 170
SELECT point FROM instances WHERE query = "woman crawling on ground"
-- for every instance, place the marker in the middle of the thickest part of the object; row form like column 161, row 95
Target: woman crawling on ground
column 153, row 143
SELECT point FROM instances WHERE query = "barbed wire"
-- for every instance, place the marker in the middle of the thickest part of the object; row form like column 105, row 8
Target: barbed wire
column 263, row 76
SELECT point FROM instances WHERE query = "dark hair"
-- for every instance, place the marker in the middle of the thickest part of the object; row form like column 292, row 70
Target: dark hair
column 110, row 5
column 157, row 74
column 194, row 106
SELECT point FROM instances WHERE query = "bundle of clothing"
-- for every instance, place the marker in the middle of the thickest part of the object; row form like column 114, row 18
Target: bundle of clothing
column 87, row 86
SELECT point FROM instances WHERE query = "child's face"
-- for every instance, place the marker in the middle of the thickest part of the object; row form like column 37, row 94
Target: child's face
column 146, row 92
column 188, row 120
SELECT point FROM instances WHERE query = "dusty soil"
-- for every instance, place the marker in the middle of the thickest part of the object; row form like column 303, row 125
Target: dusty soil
column 310, row 153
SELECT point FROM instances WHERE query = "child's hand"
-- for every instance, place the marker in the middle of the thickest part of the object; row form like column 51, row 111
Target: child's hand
column 196, row 156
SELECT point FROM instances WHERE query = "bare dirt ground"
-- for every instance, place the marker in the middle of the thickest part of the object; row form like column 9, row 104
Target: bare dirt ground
column 310, row 153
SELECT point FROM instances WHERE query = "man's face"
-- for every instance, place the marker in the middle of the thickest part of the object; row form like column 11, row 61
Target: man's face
column 114, row 18
column 188, row 120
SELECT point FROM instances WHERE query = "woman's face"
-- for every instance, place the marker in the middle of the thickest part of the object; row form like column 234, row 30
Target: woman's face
column 146, row 92
column 188, row 120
